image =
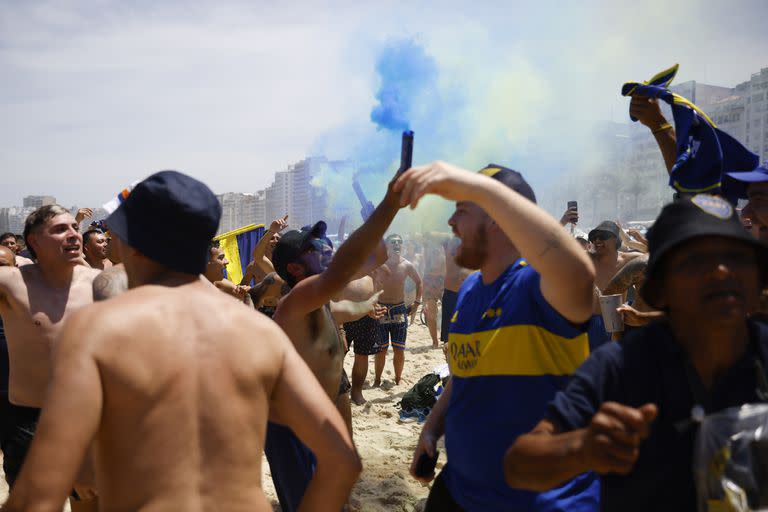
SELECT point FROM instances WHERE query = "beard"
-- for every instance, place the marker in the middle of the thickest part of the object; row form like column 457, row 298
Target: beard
column 473, row 252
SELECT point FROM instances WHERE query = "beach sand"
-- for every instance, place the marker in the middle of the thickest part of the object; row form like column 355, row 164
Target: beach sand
column 384, row 443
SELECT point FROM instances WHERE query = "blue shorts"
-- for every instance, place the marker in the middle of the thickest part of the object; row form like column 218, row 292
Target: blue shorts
column 394, row 326
column 291, row 463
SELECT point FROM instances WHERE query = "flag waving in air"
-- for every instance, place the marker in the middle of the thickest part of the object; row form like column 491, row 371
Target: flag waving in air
column 238, row 247
column 704, row 152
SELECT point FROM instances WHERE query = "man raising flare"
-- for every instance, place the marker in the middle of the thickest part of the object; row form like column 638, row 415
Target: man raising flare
column 514, row 337
column 394, row 324
column 177, row 414
column 303, row 261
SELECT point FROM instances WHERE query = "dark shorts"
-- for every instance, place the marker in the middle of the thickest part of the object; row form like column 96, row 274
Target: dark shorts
column 291, row 463
column 394, row 326
column 364, row 336
column 344, row 385
column 18, row 425
column 440, row 499
column 449, row 307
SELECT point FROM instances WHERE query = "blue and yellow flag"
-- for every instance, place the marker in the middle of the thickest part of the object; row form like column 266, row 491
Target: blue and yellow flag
column 704, row 152
column 238, row 248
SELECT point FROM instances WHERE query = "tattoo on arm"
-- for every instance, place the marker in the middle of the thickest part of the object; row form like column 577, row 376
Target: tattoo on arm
column 632, row 273
column 109, row 284
column 552, row 242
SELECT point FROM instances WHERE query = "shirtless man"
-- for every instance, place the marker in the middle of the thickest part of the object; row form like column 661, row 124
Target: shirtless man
column 214, row 272
column 394, row 325
column 10, row 241
column 301, row 258
column 95, row 249
column 363, row 334
column 34, row 302
column 434, row 284
column 608, row 261
column 7, row 409
column 177, row 414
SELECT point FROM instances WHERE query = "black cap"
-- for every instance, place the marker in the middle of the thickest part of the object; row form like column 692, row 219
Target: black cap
column 170, row 218
column 291, row 245
column 510, row 178
column 701, row 215
column 607, row 226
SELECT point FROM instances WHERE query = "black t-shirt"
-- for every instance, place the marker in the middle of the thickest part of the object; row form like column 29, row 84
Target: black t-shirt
column 648, row 366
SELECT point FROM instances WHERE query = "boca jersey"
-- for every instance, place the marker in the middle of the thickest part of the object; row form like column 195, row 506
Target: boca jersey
column 509, row 353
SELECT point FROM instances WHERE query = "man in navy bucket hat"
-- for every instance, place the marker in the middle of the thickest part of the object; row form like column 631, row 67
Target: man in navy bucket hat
column 173, row 382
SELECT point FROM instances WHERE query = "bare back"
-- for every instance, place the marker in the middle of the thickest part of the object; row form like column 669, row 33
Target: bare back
column 33, row 313
column 187, row 376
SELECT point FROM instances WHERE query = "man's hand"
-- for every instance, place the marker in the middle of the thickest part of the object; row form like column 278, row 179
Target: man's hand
column 571, row 216
column 611, row 443
column 443, row 179
column 427, row 444
column 375, row 310
column 413, row 309
column 638, row 236
column 241, row 291
column 279, row 224
column 82, row 214
column 647, row 111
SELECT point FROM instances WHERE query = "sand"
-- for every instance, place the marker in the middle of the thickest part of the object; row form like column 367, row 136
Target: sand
column 384, row 443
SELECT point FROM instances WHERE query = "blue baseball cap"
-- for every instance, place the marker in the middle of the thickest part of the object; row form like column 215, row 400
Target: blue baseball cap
column 170, row 218
column 735, row 184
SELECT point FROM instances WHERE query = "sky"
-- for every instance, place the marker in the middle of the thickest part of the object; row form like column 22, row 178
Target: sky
column 95, row 95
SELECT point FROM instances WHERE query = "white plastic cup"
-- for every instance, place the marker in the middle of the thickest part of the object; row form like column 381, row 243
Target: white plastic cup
column 612, row 319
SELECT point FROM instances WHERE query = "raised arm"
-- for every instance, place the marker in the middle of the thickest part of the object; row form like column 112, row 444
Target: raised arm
column 312, row 292
column 60, row 444
column 647, row 111
column 260, row 250
column 567, row 273
column 301, row 404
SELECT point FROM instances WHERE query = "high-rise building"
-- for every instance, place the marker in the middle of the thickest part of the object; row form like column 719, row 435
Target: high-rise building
column 38, row 201
column 292, row 193
column 237, row 210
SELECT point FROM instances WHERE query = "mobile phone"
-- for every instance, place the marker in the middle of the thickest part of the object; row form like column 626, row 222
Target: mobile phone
column 426, row 464
column 573, row 204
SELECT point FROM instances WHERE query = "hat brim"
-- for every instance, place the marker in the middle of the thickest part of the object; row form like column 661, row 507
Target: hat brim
column 749, row 176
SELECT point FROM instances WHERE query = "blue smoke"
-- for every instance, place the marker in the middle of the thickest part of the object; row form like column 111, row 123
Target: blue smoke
column 406, row 72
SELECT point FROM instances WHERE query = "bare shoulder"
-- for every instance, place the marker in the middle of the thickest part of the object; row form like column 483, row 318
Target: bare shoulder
column 85, row 274
column 8, row 275
column 110, row 283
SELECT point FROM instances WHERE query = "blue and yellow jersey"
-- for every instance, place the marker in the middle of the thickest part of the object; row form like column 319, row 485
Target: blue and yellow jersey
column 509, row 352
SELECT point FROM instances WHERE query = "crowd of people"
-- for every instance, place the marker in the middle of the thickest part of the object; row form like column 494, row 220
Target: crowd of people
column 136, row 376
